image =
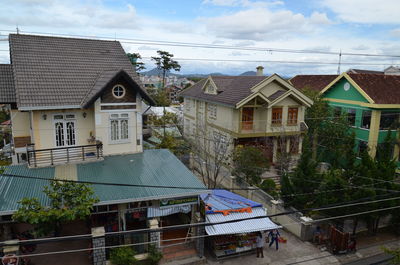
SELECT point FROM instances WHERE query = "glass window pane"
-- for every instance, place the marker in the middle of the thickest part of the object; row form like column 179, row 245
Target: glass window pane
column 58, row 117
column 124, row 129
column 366, row 119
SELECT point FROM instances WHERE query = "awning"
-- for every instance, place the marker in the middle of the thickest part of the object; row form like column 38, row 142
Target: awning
column 239, row 227
column 164, row 211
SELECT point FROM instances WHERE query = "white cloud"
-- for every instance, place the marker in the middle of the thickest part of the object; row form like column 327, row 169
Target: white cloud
column 320, row 18
column 365, row 11
column 71, row 14
column 223, row 2
column 245, row 3
column 262, row 23
column 395, row 32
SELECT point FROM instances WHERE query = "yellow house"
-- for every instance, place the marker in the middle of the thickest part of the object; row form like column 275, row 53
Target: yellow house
column 69, row 104
column 247, row 110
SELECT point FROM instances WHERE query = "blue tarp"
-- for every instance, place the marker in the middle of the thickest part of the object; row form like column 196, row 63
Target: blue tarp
column 220, row 200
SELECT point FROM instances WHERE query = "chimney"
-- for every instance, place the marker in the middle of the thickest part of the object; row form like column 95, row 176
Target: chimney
column 260, row 70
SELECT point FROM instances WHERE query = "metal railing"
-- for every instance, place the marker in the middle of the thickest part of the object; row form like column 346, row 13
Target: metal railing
column 63, row 155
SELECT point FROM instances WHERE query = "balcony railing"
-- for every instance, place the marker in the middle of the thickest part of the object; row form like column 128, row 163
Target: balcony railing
column 63, row 155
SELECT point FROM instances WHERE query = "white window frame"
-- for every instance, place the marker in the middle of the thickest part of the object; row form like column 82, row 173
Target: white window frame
column 212, row 111
column 119, row 117
column 65, row 120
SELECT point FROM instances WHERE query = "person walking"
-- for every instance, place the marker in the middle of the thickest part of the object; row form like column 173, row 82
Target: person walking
column 260, row 245
column 274, row 234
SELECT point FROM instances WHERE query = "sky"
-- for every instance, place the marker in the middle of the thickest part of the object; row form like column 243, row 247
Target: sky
column 349, row 26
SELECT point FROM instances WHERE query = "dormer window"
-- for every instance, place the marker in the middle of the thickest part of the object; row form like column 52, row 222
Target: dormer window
column 210, row 89
column 118, row 91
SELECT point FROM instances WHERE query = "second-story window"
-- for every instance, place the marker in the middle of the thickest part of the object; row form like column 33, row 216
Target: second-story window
column 119, row 127
column 118, row 91
column 212, row 111
column 292, row 116
column 351, row 116
column 276, row 116
column 64, row 125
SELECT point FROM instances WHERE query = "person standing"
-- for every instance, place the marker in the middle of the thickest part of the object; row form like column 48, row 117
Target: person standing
column 260, row 245
column 274, row 234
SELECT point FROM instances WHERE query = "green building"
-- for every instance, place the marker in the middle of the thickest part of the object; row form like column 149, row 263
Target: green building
column 371, row 101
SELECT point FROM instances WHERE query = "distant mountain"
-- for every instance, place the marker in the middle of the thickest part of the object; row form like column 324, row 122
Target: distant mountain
column 248, row 73
column 157, row 72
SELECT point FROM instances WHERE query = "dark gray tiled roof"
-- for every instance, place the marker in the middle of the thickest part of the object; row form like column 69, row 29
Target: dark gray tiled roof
column 7, row 89
column 276, row 95
column 231, row 89
column 55, row 71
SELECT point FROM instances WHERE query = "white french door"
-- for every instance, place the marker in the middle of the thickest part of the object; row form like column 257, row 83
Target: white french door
column 65, row 133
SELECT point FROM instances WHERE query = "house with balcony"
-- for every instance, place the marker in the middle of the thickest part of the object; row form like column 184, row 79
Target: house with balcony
column 371, row 102
column 76, row 114
column 247, row 110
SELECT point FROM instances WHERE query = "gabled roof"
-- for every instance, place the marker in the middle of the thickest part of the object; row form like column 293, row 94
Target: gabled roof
column 237, row 90
column 362, row 71
column 157, row 167
column 7, row 89
column 383, row 89
column 313, row 82
column 104, row 80
column 376, row 88
column 231, row 89
column 61, row 72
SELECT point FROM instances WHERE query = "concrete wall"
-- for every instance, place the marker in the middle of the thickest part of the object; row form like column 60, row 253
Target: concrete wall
column 20, row 123
column 44, row 129
column 102, row 130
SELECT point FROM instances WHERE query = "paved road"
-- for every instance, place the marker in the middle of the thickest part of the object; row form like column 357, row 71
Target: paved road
column 381, row 259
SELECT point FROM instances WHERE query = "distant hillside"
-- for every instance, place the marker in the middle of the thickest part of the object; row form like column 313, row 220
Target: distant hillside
column 248, row 73
column 157, row 72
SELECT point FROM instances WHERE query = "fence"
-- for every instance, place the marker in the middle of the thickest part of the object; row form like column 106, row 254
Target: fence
column 295, row 223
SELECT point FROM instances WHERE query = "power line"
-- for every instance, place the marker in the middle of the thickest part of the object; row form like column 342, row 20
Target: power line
column 193, row 237
column 146, row 230
column 203, row 45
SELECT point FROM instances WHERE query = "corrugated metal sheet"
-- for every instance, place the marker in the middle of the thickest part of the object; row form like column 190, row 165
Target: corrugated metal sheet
column 219, row 200
column 165, row 211
column 239, row 227
column 152, row 167
column 13, row 189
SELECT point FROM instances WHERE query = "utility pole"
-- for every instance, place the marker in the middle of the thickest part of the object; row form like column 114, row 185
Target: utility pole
column 340, row 61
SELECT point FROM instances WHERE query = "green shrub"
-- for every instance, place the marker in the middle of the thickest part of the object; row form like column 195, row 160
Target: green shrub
column 154, row 255
column 122, row 256
column 269, row 186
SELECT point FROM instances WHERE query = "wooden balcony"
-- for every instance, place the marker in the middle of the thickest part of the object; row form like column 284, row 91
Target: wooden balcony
column 63, row 155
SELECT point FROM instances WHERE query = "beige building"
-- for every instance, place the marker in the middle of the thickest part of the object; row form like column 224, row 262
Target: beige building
column 247, row 110
column 81, row 107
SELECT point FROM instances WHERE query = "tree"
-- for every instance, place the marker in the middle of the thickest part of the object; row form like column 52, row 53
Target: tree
column 210, row 154
column 249, row 163
column 303, row 180
column 68, row 201
column 165, row 63
column 133, row 58
column 395, row 253
column 160, row 97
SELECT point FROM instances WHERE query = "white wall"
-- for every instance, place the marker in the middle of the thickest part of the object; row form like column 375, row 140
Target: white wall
column 102, row 130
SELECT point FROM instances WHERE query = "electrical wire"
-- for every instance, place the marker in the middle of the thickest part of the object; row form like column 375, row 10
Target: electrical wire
column 193, row 237
column 357, row 202
column 203, row 45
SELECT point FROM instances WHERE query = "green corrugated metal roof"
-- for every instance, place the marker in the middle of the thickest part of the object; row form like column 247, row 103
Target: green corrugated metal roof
column 152, row 167
column 13, row 189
